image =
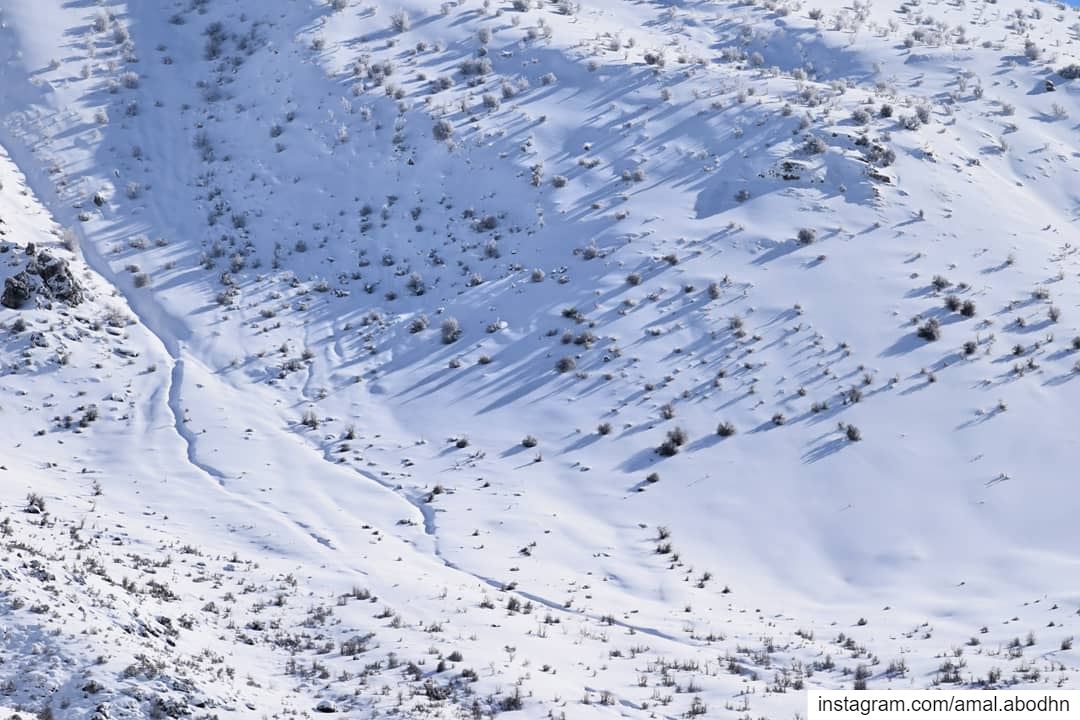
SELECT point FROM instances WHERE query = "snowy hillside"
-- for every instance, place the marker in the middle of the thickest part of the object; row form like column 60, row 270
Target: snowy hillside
column 535, row 359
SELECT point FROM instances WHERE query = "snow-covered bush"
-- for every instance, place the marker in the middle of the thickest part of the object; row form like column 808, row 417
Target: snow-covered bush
column 676, row 438
column 442, row 130
column 399, row 21
column 451, row 330
column 815, row 146
column 930, row 330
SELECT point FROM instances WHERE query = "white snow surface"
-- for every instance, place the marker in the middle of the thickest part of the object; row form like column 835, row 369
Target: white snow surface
column 271, row 488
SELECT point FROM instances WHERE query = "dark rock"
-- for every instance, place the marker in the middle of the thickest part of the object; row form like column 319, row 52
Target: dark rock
column 17, row 290
column 46, row 275
column 55, row 273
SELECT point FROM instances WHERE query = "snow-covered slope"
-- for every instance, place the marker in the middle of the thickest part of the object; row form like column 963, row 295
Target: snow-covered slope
column 613, row 360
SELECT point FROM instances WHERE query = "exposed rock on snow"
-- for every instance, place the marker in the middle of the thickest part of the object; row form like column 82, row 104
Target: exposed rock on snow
column 45, row 275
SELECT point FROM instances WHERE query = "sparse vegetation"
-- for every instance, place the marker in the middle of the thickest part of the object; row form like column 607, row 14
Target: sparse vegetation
column 451, row 330
column 311, row 462
column 675, row 439
column 565, row 364
column 930, row 330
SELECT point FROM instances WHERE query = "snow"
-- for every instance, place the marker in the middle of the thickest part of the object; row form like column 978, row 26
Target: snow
column 270, row 236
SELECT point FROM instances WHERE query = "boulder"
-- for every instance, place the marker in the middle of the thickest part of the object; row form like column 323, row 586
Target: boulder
column 57, row 278
column 45, row 275
column 18, row 289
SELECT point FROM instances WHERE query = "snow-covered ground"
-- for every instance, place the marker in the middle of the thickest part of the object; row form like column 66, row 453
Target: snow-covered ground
column 535, row 359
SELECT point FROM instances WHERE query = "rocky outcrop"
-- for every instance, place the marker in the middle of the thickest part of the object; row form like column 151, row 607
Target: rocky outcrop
column 45, row 275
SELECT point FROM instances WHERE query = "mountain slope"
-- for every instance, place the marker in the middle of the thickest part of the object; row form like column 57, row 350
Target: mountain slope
column 363, row 251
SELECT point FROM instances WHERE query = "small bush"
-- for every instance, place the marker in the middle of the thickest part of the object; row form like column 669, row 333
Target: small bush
column 565, row 364
column 400, row 21
column 529, row 441
column 815, row 146
column 418, row 324
column 475, row 66
column 451, row 330
column 676, row 438
column 90, row 414
column 604, row 428
column 35, row 503
column 442, row 130
column 862, row 673
column 806, row 236
column 939, row 283
column 967, row 308
column 725, row 429
column 930, row 330
column 416, row 284
column 854, row 435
